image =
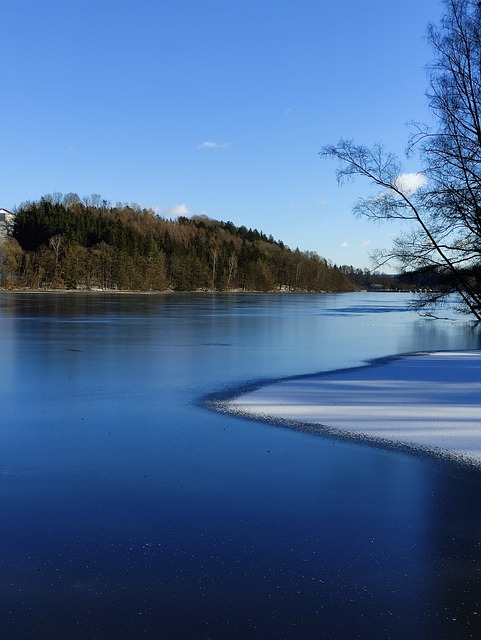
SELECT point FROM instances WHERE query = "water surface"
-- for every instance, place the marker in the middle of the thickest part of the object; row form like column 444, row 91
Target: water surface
column 129, row 511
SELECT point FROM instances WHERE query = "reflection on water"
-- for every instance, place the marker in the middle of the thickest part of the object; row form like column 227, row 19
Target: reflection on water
column 128, row 511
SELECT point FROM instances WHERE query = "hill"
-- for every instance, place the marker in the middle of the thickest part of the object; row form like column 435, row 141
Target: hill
column 64, row 242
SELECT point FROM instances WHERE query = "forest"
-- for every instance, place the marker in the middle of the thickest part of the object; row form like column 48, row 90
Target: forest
column 64, row 242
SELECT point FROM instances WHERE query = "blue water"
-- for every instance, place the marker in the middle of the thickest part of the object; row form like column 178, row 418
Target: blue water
column 130, row 511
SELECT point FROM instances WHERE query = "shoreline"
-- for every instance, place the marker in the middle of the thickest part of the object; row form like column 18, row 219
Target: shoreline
column 427, row 402
column 194, row 291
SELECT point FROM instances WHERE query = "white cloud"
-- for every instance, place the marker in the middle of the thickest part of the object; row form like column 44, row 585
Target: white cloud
column 321, row 202
column 409, row 183
column 211, row 144
column 349, row 245
column 288, row 111
column 177, row 210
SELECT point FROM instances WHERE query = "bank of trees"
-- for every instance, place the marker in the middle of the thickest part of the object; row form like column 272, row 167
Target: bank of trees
column 65, row 242
column 364, row 279
column 441, row 205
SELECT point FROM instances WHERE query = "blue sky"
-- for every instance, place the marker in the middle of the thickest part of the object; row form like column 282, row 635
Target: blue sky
column 215, row 107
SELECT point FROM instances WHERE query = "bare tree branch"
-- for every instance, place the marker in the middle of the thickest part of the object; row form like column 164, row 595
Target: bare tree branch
column 445, row 211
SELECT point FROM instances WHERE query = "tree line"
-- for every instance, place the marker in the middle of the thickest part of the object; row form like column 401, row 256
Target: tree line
column 65, row 242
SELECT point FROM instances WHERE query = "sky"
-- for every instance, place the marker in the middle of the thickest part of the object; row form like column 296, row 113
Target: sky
column 212, row 107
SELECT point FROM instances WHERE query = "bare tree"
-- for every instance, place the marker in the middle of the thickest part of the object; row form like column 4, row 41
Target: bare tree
column 56, row 244
column 232, row 268
column 441, row 203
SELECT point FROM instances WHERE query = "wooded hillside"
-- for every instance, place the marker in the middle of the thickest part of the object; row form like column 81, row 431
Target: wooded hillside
column 68, row 243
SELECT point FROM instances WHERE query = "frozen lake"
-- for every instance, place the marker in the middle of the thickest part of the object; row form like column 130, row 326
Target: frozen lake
column 130, row 511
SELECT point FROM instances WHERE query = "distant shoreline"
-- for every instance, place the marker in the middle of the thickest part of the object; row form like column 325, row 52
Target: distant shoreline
column 195, row 291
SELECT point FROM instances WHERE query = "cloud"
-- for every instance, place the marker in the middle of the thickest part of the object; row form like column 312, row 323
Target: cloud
column 349, row 245
column 177, row 210
column 288, row 111
column 321, row 202
column 211, row 144
column 409, row 183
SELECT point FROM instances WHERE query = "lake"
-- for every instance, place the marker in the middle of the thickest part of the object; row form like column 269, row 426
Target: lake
column 129, row 510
